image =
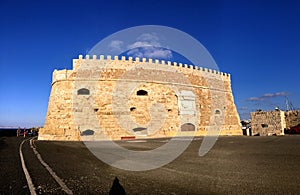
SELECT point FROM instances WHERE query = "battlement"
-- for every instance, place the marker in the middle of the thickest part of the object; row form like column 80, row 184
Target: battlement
column 122, row 62
column 148, row 60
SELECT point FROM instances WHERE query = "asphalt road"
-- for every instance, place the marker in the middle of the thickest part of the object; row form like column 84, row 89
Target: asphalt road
column 12, row 178
column 235, row 165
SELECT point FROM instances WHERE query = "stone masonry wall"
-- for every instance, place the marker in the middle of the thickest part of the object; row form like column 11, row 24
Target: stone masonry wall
column 179, row 94
column 292, row 118
column 268, row 122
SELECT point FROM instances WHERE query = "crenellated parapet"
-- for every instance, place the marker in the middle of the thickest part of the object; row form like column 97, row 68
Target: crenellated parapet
column 149, row 61
column 122, row 62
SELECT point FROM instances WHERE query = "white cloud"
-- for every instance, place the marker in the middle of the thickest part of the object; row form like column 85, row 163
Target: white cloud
column 146, row 40
column 278, row 94
column 147, row 45
column 268, row 95
column 148, row 37
column 135, row 53
column 116, row 45
column 141, row 44
column 255, row 99
column 158, row 53
column 150, row 52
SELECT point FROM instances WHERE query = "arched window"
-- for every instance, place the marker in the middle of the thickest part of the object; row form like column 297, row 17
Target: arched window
column 142, row 92
column 217, row 112
column 188, row 127
column 83, row 91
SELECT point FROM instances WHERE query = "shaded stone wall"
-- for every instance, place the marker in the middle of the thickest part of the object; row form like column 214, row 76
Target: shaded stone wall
column 292, row 118
column 184, row 92
column 273, row 122
column 268, row 122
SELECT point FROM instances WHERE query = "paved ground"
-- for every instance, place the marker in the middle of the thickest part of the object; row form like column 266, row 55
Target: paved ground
column 12, row 178
column 235, row 165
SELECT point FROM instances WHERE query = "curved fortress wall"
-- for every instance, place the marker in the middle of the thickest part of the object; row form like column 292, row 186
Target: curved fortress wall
column 86, row 102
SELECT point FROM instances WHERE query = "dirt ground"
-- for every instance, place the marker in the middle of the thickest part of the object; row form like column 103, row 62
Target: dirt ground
column 235, row 165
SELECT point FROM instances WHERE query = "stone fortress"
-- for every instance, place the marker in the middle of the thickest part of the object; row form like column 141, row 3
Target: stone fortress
column 116, row 98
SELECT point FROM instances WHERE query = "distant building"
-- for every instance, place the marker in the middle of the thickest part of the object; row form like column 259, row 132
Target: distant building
column 273, row 122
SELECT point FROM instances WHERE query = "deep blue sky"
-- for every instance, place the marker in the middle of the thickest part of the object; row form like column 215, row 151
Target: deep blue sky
column 258, row 42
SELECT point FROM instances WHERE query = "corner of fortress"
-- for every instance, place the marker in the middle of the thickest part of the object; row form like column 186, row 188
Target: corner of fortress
column 82, row 103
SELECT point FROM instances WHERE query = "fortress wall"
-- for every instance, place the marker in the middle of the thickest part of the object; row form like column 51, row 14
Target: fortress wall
column 271, row 122
column 140, row 112
column 59, row 124
column 159, row 84
column 268, row 122
column 292, row 118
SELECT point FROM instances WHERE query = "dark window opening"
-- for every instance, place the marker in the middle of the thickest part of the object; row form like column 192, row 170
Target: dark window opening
column 142, row 92
column 169, row 110
column 132, row 109
column 83, row 91
column 87, row 132
column 139, row 129
column 264, row 125
column 96, row 110
column 217, row 112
